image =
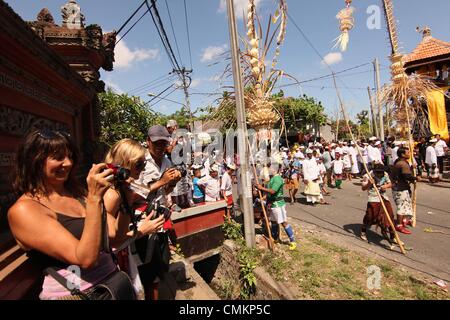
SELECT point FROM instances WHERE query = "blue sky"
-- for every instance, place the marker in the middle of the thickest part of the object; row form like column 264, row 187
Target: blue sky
column 140, row 57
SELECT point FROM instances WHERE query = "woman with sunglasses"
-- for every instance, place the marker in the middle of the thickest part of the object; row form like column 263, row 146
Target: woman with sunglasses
column 55, row 220
column 128, row 154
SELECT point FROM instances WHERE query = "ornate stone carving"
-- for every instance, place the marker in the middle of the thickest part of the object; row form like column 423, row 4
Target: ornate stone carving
column 19, row 123
column 109, row 44
column 46, row 17
column 72, row 16
column 93, row 37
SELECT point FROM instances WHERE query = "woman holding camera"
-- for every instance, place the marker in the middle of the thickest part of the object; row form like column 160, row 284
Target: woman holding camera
column 130, row 155
column 55, row 220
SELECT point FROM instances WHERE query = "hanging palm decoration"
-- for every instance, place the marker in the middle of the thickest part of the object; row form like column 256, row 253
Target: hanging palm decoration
column 346, row 23
column 406, row 93
column 259, row 75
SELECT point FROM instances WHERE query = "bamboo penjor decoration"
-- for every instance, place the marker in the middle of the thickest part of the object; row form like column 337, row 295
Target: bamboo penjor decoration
column 259, row 106
column 346, row 23
column 405, row 92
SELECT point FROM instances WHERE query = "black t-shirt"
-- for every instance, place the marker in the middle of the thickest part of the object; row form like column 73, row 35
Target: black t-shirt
column 400, row 170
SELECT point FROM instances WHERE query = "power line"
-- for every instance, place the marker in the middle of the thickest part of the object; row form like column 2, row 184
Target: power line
column 134, row 24
column 155, row 86
column 148, row 83
column 131, row 17
column 173, row 32
column 162, row 34
column 187, row 30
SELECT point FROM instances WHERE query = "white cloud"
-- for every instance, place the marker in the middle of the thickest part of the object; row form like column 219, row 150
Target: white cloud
column 114, row 86
column 211, row 53
column 125, row 57
column 195, row 83
column 332, row 58
column 240, row 6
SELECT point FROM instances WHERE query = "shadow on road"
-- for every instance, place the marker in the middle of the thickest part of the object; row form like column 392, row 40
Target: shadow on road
column 372, row 237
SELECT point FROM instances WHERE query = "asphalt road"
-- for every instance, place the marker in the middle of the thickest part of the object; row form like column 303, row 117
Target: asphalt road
column 341, row 223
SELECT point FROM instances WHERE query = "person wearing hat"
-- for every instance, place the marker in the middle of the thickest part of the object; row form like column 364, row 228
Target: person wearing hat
column 171, row 128
column 373, row 152
column 375, row 214
column 353, row 154
column 338, row 169
column 431, row 159
column 211, row 184
column 159, row 176
column 402, row 177
column 311, row 175
column 226, row 187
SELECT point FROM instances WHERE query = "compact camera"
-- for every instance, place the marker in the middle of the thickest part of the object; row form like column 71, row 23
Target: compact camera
column 119, row 174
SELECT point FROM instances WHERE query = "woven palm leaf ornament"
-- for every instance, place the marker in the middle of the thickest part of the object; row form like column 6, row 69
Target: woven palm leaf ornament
column 346, row 23
column 258, row 103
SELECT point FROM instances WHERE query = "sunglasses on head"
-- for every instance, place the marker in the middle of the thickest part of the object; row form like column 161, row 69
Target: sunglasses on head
column 140, row 164
column 52, row 134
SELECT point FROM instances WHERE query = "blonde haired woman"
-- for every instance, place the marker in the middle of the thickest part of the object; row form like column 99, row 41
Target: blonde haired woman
column 128, row 154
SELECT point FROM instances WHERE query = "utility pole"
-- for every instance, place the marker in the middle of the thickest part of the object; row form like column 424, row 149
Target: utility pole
column 184, row 73
column 377, row 86
column 246, row 205
column 374, row 120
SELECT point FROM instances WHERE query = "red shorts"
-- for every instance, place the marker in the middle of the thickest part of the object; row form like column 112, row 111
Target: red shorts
column 230, row 201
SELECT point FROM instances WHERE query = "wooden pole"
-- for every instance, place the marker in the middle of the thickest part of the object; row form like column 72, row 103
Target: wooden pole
column 374, row 121
column 246, row 205
column 271, row 242
column 411, row 159
column 402, row 249
column 377, row 100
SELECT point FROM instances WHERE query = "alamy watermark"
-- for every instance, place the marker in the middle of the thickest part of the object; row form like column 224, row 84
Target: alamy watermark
column 373, row 278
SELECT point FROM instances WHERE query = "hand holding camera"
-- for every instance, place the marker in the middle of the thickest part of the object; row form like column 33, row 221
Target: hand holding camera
column 97, row 180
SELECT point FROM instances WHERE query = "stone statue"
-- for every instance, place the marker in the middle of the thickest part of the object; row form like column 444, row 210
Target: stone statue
column 46, row 17
column 72, row 16
column 109, row 43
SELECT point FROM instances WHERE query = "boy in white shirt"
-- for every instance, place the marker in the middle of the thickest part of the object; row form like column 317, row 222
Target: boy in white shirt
column 226, row 188
column 338, row 169
column 211, row 184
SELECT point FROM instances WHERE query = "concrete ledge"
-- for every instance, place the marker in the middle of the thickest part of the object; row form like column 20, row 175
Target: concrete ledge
column 185, row 213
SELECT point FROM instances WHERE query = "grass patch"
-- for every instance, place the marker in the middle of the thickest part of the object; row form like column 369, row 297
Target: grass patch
column 321, row 270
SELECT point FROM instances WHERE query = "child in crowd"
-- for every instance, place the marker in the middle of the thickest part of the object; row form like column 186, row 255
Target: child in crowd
column 347, row 166
column 198, row 195
column 211, row 184
column 338, row 167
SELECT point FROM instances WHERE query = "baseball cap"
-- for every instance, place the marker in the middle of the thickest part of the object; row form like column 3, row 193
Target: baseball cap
column 231, row 166
column 433, row 140
column 171, row 123
column 158, row 132
column 214, row 167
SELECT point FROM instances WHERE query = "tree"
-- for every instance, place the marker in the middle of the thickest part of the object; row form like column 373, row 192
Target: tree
column 300, row 113
column 122, row 117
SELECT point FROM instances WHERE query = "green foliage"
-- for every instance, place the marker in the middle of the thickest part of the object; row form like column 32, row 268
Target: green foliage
column 247, row 263
column 232, row 230
column 122, row 117
column 300, row 112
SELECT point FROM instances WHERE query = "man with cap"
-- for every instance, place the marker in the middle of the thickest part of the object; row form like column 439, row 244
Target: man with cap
column 374, row 152
column 172, row 128
column 226, row 187
column 211, row 184
column 160, row 178
column 431, row 158
column 311, row 175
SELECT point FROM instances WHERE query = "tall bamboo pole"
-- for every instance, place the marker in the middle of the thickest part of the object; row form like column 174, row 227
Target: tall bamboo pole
column 246, row 205
column 411, row 159
column 374, row 121
column 402, row 249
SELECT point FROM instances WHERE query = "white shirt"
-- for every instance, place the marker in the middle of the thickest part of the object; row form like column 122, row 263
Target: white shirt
column 440, row 146
column 373, row 154
column 394, row 155
column 226, row 184
column 212, row 188
column 153, row 173
column 299, row 155
column 311, row 169
column 431, row 157
column 338, row 166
